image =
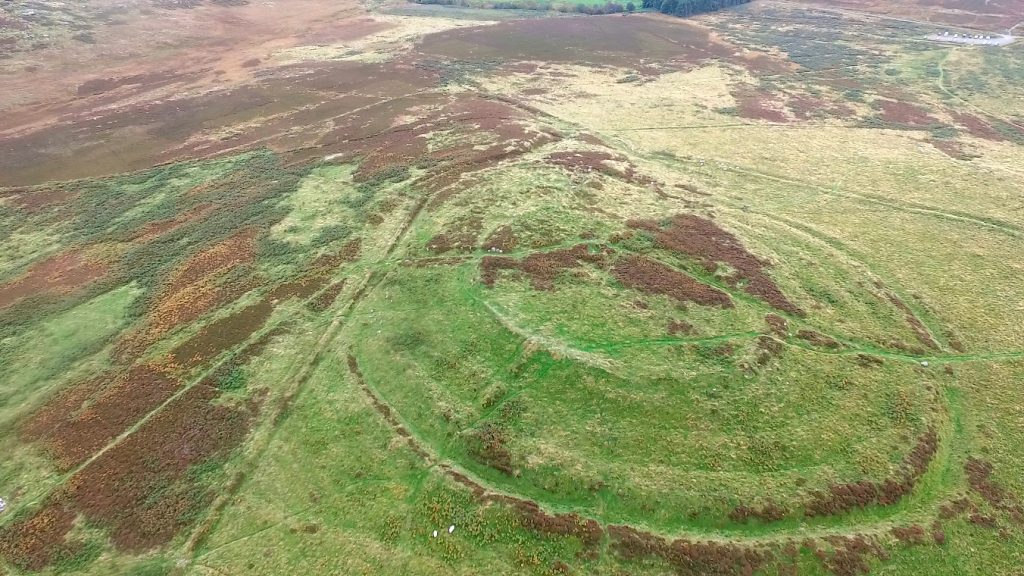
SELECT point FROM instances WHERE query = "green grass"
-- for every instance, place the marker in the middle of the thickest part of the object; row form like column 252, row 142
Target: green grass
column 577, row 397
column 593, row 417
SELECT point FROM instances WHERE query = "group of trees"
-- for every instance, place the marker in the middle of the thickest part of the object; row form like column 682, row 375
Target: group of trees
column 672, row 7
column 582, row 8
column 689, row 7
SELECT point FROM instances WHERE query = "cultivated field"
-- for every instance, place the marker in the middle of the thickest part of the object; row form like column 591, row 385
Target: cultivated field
column 340, row 288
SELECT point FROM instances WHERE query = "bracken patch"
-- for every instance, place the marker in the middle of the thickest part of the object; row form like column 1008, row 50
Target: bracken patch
column 758, row 107
column 851, row 554
column 461, row 237
column 979, row 478
column 541, row 267
column 653, row 277
column 591, row 161
column 142, row 490
column 912, row 534
column 701, row 238
column 326, row 299
column 817, row 339
column 72, row 433
column 61, row 274
column 769, row 512
column 903, row 114
column 842, row 498
column 768, row 348
column 920, row 331
column 503, row 239
column 978, row 127
column 777, row 324
column 222, row 335
column 676, row 327
column 686, row 557
column 39, row 541
column 487, row 445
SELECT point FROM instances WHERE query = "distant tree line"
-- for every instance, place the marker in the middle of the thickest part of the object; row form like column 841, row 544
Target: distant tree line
column 581, row 8
column 689, row 7
column 672, row 7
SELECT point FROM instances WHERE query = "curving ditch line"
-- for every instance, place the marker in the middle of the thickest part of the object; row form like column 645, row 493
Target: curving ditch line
column 852, row 345
column 928, row 322
column 914, row 507
column 941, row 475
column 370, row 282
column 841, row 249
column 917, row 506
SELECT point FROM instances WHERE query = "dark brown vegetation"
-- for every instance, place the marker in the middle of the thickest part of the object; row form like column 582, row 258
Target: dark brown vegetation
column 460, row 237
column 302, row 287
column 35, row 201
column 904, row 114
column 503, row 239
column 541, row 267
column 143, row 490
column 842, row 498
column 533, row 517
column 953, row 149
column 920, row 331
column 222, row 335
column 687, row 557
column 758, row 106
column 777, row 324
column 653, row 277
column 73, row 430
column 850, row 555
column 768, row 348
column 592, row 161
column 326, row 299
column 817, row 339
column 869, row 361
column 769, row 512
column 487, row 445
column 60, row 274
column 701, row 238
column 677, row 327
column 978, row 127
column 957, row 507
column 39, row 540
column 991, row 15
column 604, row 41
column 192, row 290
column 979, row 478
column 913, row 534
